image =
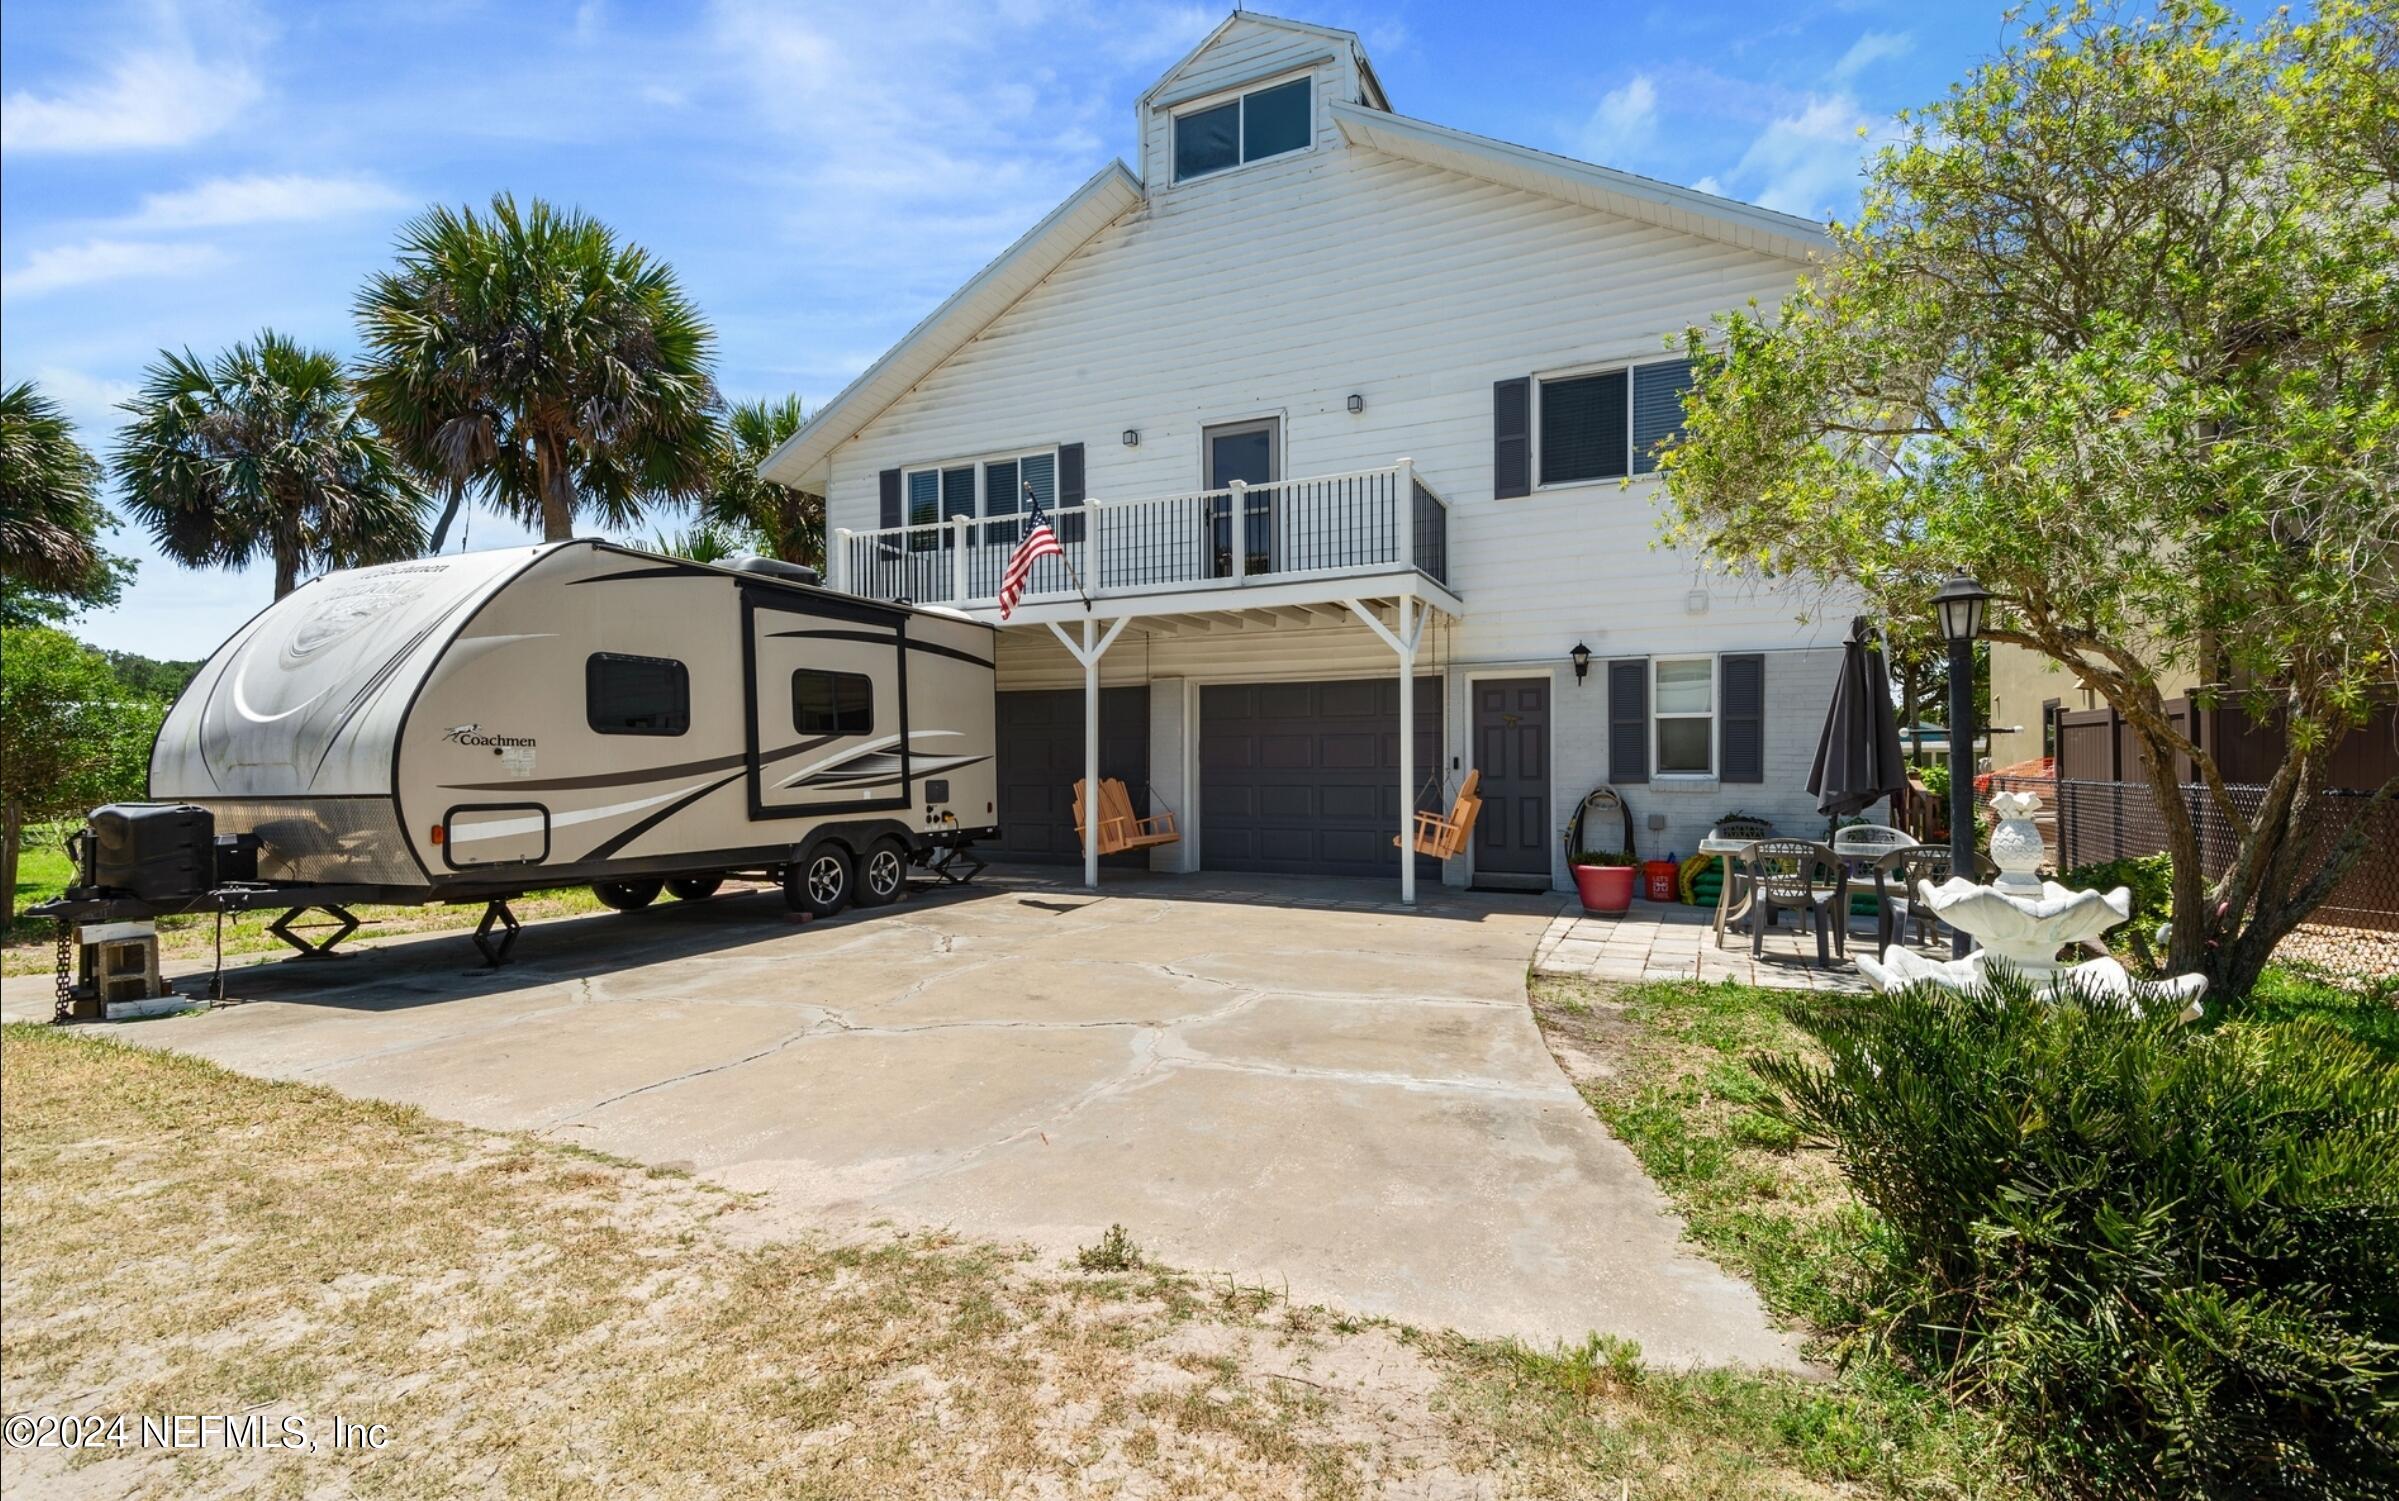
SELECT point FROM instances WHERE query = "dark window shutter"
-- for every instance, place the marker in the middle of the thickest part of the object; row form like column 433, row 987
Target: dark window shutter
column 1070, row 490
column 891, row 497
column 1744, row 731
column 1512, row 437
column 1628, row 720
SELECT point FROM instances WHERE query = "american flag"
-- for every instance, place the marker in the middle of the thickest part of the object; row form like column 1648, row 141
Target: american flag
column 1039, row 542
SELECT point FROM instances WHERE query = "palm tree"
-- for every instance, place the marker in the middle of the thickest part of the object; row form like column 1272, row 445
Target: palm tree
column 264, row 452
column 790, row 524
column 50, row 510
column 531, row 358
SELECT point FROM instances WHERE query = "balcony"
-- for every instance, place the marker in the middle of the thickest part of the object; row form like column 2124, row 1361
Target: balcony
column 1372, row 533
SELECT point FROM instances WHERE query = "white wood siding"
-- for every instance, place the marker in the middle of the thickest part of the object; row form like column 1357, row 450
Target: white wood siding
column 1279, row 289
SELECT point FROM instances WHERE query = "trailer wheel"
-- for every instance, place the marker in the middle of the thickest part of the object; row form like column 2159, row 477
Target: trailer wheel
column 625, row 896
column 883, row 875
column 821, row 883
column 694, row 888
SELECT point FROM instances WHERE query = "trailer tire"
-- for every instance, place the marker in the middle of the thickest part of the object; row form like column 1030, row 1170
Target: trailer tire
column 820, row 882
column 694, row 888
column 883, row 874
column 625, row 896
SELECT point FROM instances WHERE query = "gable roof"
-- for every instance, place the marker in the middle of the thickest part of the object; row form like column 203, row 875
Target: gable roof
column 1622, row 193
column 1092, row 207
column 1114, row 190
column 1348, row 39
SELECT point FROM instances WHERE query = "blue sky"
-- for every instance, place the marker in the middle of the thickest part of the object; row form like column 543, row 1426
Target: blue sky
column 820, row 175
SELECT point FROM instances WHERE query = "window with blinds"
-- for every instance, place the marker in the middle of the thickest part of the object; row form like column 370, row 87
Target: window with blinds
column 1606, row 424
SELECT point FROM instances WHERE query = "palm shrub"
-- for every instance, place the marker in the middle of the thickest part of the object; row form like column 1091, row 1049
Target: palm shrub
column 527, row 355
column 790, row 523
column 2168, row 1259
column 50, row 510
column 263, row 453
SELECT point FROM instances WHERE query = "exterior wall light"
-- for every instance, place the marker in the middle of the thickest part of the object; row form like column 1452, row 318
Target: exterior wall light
column 1132, row 437
column 1581, row 657
column 1357, row 403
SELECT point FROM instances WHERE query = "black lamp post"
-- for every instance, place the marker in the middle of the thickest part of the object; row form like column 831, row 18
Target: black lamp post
column 1961, row 603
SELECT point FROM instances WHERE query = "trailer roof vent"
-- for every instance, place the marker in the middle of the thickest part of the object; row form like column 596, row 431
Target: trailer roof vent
column 750, row 562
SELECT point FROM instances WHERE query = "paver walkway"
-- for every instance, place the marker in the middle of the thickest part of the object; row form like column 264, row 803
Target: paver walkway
column 1671, row 941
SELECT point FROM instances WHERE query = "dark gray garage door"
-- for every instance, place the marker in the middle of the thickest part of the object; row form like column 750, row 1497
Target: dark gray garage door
column 1303, row 778
column 1041, row 754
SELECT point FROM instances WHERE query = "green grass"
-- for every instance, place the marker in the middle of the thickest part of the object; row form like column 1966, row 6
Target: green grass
column 534, row 1319
column 1675, row 1086
column 2369, row 1013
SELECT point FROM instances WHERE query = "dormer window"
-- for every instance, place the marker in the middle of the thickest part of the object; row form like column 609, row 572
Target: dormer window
column 1271, row 121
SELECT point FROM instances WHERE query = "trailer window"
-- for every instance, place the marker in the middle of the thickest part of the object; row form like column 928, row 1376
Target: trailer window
column 636, row 695
column 832, row 703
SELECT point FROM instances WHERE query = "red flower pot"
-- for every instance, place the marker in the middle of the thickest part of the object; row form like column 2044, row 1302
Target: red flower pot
column 1605, row 888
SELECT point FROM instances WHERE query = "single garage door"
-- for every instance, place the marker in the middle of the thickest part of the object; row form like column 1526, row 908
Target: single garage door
column 1040, row 753
column 1303, row 778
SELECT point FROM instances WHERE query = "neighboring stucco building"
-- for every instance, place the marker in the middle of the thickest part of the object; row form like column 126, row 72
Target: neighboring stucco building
column 1427, row 369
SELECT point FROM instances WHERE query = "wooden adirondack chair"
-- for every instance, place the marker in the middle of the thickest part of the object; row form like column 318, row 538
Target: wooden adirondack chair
column 1442, row 837
column 1121, row 828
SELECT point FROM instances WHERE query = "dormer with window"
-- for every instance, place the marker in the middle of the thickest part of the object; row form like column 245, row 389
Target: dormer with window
column 1255, row 91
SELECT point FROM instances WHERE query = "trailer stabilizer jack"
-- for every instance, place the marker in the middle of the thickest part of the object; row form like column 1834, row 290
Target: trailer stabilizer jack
column 496, row 913
column 344, row 924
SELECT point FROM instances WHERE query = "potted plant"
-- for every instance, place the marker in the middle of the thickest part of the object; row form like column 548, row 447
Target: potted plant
column 1605, row 879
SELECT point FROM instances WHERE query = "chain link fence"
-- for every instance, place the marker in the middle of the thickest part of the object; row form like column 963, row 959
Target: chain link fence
column 2355, row 933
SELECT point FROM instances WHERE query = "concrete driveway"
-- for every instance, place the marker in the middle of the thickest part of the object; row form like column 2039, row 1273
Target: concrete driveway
column 1296, row 1083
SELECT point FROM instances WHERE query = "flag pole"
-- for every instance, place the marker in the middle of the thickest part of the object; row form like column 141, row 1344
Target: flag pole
column 1034, row 502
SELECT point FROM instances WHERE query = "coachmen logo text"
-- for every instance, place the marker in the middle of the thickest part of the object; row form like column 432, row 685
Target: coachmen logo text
column 474, row 734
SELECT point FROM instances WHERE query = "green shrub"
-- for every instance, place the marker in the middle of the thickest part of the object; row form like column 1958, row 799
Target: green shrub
column 2151, row 878
column 2167, row 1259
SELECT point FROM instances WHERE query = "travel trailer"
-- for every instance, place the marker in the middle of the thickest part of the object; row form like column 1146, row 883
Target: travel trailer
column 476, row 726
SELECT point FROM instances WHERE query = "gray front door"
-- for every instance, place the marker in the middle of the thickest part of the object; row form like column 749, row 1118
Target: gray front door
column 1511, row 748
column 1250, row 452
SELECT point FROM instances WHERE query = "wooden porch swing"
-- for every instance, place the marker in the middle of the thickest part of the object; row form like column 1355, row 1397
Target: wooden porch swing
column 1121, row 828
column 1443, row 838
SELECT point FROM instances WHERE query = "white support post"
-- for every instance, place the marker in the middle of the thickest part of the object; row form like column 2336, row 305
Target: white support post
column 1403, row 508
column 958, row 530
column 1237, row 508
column 1091, row 755
column 1403, row 643
column 1407, row 755
column 1089, row 573
column 1089, row 653
column 838, row 564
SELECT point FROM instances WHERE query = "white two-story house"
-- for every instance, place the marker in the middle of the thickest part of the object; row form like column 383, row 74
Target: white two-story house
column 1346, row 420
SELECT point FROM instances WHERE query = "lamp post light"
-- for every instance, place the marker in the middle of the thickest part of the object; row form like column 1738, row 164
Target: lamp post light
column 1961, row 603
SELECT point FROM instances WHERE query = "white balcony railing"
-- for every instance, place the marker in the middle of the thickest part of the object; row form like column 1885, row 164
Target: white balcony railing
column 1372, row 520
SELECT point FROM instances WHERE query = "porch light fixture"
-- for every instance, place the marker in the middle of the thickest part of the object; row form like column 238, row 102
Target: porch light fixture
column 1581, row 657
column 1960, row 604
column 1357, row 403
column 1132, row 437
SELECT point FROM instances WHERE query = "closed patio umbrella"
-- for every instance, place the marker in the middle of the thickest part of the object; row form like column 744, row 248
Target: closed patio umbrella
column 1858, row 762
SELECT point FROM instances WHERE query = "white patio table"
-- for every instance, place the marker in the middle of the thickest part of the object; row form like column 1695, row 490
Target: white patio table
column 1729, row 851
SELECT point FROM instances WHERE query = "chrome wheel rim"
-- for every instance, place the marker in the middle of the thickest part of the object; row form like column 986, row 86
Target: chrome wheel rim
column 824, row 880
column 883, row 872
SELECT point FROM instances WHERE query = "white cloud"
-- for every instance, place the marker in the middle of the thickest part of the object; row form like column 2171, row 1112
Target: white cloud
column 165, row 95
column 90, row 401
column 62, row 266
column 262, row 199
column 1623, row 125
column 1871, row 48
column 1807, row 162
